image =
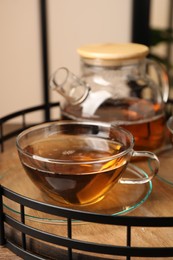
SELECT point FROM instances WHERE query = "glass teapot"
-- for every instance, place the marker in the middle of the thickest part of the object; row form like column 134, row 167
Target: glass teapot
column 117, row 84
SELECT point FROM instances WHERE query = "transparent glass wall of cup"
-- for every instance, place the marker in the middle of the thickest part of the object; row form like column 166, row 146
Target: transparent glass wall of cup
column 124, row 87
column 77, row 163
column 170, row 128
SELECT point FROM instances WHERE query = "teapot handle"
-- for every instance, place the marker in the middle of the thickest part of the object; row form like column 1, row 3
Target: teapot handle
column 162, row 76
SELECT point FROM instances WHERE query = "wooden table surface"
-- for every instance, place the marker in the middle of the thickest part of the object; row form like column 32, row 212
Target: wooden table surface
column 159, row 203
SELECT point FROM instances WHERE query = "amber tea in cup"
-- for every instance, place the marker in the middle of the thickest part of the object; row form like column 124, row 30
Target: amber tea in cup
column 79, row 162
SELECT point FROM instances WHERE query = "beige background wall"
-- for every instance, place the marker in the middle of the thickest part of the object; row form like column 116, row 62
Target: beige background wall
column 71, row 23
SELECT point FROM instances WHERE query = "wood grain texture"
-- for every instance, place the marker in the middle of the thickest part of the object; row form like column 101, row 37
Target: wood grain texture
column 6, row 254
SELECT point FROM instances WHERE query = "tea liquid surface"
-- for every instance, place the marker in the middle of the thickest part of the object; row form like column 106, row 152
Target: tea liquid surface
column 76, row 178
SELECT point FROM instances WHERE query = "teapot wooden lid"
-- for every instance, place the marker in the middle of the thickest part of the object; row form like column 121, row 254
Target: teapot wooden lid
column 113, row 52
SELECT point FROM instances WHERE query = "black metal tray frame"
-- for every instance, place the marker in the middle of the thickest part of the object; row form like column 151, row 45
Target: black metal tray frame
column 70, row 215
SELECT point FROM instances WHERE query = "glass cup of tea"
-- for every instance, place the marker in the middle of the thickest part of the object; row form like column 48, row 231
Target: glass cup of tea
column 77, row 163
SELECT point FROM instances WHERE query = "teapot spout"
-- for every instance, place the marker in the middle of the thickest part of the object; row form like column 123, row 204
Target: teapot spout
column 68, row 85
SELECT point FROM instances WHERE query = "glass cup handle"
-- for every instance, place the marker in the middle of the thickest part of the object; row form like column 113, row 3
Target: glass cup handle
column 162, row 77
column 153, row 165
